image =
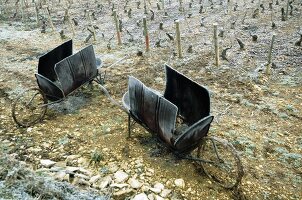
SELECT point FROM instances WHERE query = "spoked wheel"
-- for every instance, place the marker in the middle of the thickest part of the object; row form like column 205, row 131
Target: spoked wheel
column 222, row 163
column 29, row 107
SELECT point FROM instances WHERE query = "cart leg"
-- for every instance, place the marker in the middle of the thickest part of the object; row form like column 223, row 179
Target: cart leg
column 129, row 126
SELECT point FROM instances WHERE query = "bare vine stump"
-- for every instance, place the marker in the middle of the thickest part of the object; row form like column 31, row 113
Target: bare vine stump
column 92, row 30
column 118, row 33
column 161, row 26
column 254, row 38
column 240, row 44
column 50, row 20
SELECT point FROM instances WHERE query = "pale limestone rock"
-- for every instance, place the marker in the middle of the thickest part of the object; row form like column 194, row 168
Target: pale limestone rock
column 120, row 176
column 179, row 183
column 72, row 169
column 155, row 190
column 72, row 158
column 56, row 169
column 123, row 192
column 79, row 181
column 82, row 176
column 105, row 182
column 150, row 170
column 159, row 186
column 158, row 197
column 47, row 163
column 61, row 164
column 165, row 193
column 141, row 196
column 151, row 196
column 134, row 183
column 83, row 162
column 112, row 167
column 85, row 171
column 145, row 188
column 62, row 176
column 159, row 80
column 169, row 183
column 94, row 179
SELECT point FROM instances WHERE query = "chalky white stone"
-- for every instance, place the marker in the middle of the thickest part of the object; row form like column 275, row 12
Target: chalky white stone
column 159, row 186
column 47, row 163
column 179, row 183
column 120, row 176
column 105, row 182
column 141, row 196
column 165, row 193
column 134, row 183
column 94, row 179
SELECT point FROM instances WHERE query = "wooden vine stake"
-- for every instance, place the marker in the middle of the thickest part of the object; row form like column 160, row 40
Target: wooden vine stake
column 163, row 4
column 269, row 59
column 37, row 12
column 146, row 34
column 178, row 40
column 230, row 7
column 22, row 10
column 287, row 7
column 145, row 7
column 181, row 9
column 4, row 9
column 216, row 45
column 50, row 20
column 118, row 33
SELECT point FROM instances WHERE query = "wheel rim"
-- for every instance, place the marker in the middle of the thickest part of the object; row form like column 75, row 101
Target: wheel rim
column 29, row 107
column 224, row 167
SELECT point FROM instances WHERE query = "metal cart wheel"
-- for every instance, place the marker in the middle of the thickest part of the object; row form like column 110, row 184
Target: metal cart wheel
column 222, row 164
column 29, row 107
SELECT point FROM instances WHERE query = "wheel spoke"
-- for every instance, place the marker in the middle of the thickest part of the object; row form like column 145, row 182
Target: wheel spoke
column 223, row 164
column 28, row 108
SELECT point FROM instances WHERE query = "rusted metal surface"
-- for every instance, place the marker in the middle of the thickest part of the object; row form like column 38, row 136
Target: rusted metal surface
column 51, row 90
column 75, row 70
column 60, row 72
column 192, row 136
column 47, row 61
column 158, row 113
column 192, row 99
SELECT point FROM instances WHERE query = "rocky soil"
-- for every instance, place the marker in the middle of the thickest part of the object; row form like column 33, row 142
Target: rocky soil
column 83, row 140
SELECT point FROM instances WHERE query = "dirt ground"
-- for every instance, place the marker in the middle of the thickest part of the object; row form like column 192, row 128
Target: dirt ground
column 259, row 114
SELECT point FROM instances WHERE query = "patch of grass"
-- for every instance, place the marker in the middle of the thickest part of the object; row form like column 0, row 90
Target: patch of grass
column 17, row 181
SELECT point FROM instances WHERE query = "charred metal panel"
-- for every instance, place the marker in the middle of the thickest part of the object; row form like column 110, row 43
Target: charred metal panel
column 192, row 100
column 47, row 61
column 167, row 113
column 159, row 114
column 89, row 60
column 65, row 76
column 150, row 107
column 77, row 69
column 136, row 97
column 52, row 92
column 189, row 140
